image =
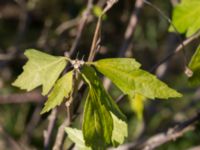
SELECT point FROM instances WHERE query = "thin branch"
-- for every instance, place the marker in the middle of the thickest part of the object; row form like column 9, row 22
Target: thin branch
column 130, row 28
column 177, row 50
column 48, row 132
column 21, row 98
column 195, row 148
column 31, row 125
column 66, row 25
column 164, row 137
column 95, row 41
column 174, row 2
column 23, row 21
column 109, row 5
column 42, row 40
column 11, row 142
column 9, row 11
column 97, row 34
column 60, row 134
column 81, row 26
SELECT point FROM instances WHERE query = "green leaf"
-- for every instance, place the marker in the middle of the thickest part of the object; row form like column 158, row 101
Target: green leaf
column 61, row 90
column 120, row 130
column 194, row 65
column 137, row 105
column 186, row 17
column 117, row 69
column 122, row 64
column 41, row 69
column 151, row 87
column 99, row 126
column 131, row 80
column 77, row 137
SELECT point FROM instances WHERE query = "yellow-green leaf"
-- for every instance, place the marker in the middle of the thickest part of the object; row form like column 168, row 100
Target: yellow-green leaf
column 122, row 64
column 194, row 65
column 120, row 131
column 137, row 105
column 117, row 69
column 77, row 137
column 61, row 90
column 41, row 69
column 186, row 17
column 131, row 80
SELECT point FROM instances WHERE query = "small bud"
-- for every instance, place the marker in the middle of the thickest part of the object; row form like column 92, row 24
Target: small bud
column 188, row 72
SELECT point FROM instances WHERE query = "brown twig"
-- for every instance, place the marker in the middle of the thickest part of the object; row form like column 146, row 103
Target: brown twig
column 95, row 41
column 177, row 50
column 60, row 134
column 66, row 25
column 171, row 134
column 130, row 28
column 34, row 97
column 164, row 137
column 23, row 21
column 9, row 11
column 81, row 26
column 12, row 144
column 48, row 132
column 97, row 34
column 42, row 40
column 195, row 148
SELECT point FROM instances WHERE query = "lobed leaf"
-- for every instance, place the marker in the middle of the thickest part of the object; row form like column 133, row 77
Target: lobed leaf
column 103, row 121
column 77, row 137
column 61, row 90
column 194, row 65
column 117, row 69
column 41, row 69
column 131, row 80
column 186, row 17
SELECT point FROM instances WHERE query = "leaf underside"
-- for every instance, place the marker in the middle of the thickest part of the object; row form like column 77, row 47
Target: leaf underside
column 41, row 69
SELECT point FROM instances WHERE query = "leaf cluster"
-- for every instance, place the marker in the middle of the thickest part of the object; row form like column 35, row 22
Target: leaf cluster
column 103, row 124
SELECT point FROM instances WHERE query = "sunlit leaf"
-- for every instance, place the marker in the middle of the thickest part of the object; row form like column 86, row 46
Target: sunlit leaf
column 186, row 17
column 122, row 64
column 137, row 105
column 151, row 87
column 41, row 69
column 120, row 131
column 131, row 80
column 77, row 137
column 118, row 69
column 194, row 65
column 103, row 121
column 61, row 90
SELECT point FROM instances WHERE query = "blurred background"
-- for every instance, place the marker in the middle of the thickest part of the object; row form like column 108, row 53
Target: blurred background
column 52, row 26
